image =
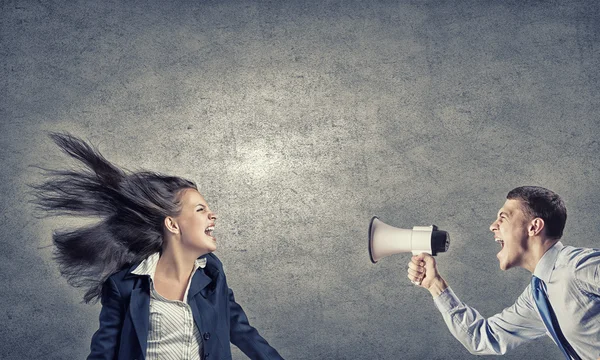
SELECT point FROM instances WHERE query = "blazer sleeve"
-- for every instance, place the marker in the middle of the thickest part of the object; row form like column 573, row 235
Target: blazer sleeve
column 105, row 341
column 246, row 337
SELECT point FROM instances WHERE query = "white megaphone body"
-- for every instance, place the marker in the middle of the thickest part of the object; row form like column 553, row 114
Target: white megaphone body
column 386, row 240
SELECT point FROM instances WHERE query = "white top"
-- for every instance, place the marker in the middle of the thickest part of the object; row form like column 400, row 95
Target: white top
column 172, row 333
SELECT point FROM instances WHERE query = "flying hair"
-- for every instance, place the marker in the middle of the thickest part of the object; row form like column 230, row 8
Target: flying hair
column 131, row 207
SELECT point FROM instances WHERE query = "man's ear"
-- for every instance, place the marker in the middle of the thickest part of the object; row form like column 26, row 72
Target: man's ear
column 171, row 225
column 536, row 226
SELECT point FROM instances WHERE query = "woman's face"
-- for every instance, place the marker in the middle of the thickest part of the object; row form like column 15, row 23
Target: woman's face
column 196, row 223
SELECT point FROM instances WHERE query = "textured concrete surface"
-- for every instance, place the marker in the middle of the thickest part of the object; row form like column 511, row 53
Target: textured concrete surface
column 299, row 121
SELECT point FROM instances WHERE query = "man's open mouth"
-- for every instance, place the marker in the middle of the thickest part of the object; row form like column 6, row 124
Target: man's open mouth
column 500, row 241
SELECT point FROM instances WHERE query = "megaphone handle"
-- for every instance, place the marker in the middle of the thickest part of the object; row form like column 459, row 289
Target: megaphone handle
column 417, row 252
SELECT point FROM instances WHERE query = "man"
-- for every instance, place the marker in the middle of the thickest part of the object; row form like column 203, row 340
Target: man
column 562, row 300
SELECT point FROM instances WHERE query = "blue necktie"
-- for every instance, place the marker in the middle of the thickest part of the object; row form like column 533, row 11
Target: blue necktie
column 541, row 300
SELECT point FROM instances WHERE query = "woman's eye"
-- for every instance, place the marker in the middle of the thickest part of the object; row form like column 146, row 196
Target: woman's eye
column 200, row 209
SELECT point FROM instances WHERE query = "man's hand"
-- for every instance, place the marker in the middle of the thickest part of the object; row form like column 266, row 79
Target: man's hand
column 422, row 269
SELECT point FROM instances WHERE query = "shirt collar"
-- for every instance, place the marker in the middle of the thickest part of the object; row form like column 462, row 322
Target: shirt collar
column 543, row 269
column 148, row 265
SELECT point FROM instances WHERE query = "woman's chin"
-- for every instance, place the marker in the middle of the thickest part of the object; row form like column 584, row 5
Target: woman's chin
column 213, row 244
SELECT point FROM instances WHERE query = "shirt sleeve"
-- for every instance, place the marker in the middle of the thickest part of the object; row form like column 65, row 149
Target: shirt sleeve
column 496, row 335
column 105, row 341
column 587, row 271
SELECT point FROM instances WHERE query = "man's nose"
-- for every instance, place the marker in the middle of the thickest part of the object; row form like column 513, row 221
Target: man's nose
column 494, row 226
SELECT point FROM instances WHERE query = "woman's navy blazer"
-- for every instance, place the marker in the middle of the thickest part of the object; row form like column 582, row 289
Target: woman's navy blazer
column 125, row 314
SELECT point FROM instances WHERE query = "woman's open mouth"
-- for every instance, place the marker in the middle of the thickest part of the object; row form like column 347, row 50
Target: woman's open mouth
column 209, row 231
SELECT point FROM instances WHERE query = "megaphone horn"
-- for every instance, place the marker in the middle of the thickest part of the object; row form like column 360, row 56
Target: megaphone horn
column 386, row 240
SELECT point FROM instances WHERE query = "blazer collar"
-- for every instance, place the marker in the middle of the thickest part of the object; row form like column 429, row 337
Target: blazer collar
column 204, row 279
column 203, row 285
column 130, row 274
column 201, row 262
column 200, row 280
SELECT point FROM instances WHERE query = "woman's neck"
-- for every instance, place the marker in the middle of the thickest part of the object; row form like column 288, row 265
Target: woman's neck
column 175, row 264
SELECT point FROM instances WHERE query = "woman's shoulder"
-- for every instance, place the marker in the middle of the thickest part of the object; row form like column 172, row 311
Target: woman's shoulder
column 212, row 259
column 124, row 276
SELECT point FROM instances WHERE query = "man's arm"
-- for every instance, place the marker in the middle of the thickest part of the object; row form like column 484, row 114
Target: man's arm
column 587, row 271
column 515, row 325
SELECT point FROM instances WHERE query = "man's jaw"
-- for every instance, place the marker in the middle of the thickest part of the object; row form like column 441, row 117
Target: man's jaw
column 500, row 255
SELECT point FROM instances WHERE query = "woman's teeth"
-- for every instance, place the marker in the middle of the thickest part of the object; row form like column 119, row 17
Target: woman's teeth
column 209, row 230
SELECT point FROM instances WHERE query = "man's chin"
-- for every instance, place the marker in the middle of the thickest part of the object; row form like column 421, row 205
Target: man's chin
column 503, row 264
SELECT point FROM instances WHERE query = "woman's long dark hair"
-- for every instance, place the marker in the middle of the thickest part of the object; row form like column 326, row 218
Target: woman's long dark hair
column 131, row 206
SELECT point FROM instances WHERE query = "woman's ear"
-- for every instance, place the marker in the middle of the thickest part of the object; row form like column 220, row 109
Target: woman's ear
column 171, row 225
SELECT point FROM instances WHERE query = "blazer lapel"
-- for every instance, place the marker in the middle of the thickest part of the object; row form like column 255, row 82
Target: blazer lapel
column 139, row 309
column 200, row 288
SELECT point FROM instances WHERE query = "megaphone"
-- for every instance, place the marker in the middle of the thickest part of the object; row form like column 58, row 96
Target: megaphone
column 386, row 240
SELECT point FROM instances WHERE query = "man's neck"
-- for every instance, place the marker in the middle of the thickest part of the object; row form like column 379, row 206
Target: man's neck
column 535, row 252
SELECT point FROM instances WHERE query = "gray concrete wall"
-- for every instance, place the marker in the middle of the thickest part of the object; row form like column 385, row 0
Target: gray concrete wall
column 300, row 120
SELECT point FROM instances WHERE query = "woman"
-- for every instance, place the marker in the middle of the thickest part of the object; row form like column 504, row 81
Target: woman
column 149, row 260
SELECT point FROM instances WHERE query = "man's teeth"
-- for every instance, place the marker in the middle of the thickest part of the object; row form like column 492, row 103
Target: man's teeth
column 500, row 241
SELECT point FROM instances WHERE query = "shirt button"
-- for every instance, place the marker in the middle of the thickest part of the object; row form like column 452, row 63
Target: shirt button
column 205, row 356
column 206, row 336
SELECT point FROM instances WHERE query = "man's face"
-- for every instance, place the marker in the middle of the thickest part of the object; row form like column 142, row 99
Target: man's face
column 510, row 230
